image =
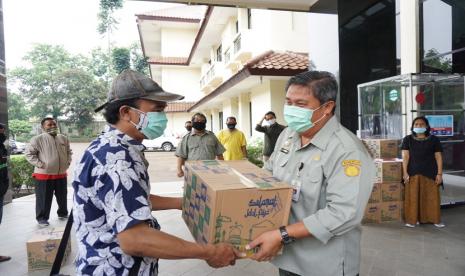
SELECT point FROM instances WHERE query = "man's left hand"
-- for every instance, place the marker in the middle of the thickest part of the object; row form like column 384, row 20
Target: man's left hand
column 438, row 180
column 269, row 245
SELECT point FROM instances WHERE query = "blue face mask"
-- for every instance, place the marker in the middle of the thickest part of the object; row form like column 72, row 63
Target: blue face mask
column 299, row 119
column 151, row 124
column 419, row 130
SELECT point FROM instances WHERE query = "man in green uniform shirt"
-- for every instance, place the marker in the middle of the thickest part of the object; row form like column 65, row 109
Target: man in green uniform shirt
column 199, row 144
column 332, row 176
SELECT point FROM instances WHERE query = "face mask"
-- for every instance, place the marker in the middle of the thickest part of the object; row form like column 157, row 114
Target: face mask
column 271, row 122
column 199, row 125
column 151, row 124
column 231, row 126
column 299, row 119
column 419, row 130
column 52, row 131
column 188, row 128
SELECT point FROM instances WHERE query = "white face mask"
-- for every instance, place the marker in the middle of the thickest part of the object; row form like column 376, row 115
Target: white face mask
column 271, row 122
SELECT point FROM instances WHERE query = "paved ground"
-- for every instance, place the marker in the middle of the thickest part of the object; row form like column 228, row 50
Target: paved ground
column 387, row 250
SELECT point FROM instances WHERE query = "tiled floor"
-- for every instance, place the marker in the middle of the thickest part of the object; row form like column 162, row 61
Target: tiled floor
column 387, row 250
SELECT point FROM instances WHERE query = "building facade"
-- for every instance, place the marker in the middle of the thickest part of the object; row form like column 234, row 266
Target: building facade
column 231, row 61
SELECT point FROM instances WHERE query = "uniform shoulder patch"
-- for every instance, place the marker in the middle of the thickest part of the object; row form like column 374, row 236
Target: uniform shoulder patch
column 351, row 167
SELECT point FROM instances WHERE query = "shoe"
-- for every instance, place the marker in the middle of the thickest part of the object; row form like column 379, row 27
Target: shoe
column 410, row 225
column 63, row 217
column 43, row 223
column 440, row 225
column 4, row 258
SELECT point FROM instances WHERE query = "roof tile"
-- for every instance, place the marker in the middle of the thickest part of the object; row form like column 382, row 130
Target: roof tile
column 178, row 106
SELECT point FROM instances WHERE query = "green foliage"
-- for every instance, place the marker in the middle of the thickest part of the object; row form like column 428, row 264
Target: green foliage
column 121, row 58
column 19, row 127
column 59, row 84
column 255, row 152
column 21, row 172
column 139, row 62
column 17, row 107
column 442, row 63
column 106, row 21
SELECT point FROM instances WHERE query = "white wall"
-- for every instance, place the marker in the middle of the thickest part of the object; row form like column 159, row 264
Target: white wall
column 182, row 80
column 324, row 41
column 176, row 122
column 177, row 42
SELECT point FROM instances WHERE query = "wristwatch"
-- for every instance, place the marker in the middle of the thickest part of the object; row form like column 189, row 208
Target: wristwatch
column 285, row 238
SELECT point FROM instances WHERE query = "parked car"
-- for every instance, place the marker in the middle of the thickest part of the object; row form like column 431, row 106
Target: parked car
column 17, row 147
column 165, row 142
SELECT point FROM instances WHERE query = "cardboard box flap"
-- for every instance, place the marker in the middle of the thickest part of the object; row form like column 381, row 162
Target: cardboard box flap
column 47, row 234
column 241, row 174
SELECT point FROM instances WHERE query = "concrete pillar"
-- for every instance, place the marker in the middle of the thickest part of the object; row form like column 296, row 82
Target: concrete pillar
column 215, row 120
column 410, row 54
column 277, row 98
column 243, row 114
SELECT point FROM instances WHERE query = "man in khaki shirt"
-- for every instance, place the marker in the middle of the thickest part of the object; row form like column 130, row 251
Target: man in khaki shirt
column 50, row 154
column 199, row 144
column 332, row 176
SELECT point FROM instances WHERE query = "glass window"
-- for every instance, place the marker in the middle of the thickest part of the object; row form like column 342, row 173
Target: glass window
column 220, row 117
column 443, row 36
column 219, row 53
column 249, row 19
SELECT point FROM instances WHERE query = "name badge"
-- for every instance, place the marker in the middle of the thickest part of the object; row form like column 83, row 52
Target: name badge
column 286, row 147
column 296, row 185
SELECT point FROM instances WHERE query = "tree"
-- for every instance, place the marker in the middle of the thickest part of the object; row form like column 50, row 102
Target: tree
column 438, row 62
column 19, row 127
column 17, row 107
column 107, row 22
column 139, row 62
column 121, row 58
column 59, row 84
column 83, row 93
column 38, row 83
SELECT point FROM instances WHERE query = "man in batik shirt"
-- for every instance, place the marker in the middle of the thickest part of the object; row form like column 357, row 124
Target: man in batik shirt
column 112, row 200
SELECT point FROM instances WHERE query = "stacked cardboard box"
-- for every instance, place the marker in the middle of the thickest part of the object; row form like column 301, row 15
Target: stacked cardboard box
column 386, row 200
column 233, row 201
column 42, row 248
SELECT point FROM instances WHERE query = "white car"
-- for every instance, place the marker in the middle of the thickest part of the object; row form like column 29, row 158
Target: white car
column 165, row 142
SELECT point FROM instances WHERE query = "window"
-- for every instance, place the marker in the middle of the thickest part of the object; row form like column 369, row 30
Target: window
column 237, row 26
column 249, row 19
column 211, row 122
column 220, row 117
column 219, row 53
column 443, row 36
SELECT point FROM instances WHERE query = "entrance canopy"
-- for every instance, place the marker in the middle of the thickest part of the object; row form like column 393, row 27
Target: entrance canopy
column 317, row 6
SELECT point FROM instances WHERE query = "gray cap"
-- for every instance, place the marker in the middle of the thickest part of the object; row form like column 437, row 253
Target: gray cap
column 130, row 84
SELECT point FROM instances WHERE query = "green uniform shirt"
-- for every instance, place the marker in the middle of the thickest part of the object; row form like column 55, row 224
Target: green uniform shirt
column 199, row 147
column 336, row 176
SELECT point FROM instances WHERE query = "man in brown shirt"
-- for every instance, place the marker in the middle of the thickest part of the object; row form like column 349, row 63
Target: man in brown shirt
column 50, row 154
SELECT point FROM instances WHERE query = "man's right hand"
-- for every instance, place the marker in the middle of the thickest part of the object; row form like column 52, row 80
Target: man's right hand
column 221, row 254
column 180, row 173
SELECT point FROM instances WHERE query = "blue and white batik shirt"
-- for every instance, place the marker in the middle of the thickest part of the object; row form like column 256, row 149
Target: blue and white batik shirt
column 111, row 194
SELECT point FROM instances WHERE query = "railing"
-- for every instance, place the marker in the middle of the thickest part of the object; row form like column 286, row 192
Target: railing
column 237, row 44
column 227, row 56
column 208, row 76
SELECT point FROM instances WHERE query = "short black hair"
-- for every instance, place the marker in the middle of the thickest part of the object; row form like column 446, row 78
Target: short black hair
column 42, row 122
column 188, row 122
column 2, row 126
column 231, row 118
column 198, row 114
column 428, row 127
column 271, row 113
column 111, row 112
column 322, row 84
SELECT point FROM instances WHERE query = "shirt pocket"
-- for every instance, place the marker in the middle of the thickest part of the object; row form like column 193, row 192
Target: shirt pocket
column 313, row 184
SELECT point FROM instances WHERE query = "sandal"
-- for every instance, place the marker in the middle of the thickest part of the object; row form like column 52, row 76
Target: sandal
column 4, row 258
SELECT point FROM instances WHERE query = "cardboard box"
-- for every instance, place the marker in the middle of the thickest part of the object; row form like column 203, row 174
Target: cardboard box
column 388, row 171
column 372, row 213
column 42, row 248
column 233, row 201
column 390, row 211
column 382, row 148
column 391, row 191
column 375, row 196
